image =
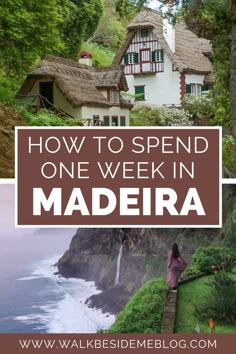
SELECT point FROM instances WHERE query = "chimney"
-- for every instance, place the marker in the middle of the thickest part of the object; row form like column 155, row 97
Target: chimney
column 168, row 28
column 85, row 58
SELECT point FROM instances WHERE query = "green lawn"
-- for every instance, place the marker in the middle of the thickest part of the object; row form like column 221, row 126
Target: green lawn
column 189, row 295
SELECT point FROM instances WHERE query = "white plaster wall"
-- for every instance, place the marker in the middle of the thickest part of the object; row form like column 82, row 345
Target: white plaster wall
column 169, row 34
column 61, row 102
column 84, row 112
column 194, row 79
column 89, row 112
column 168, row 29
column 35, row 90
column 161, row 88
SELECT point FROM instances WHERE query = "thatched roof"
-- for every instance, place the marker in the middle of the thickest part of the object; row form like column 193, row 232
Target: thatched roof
column 190, row 51
column 209, row 79
column 119, row 55
column 206, row 47
column 79, row 83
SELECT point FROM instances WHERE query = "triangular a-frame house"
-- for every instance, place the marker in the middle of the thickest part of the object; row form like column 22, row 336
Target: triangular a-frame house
column 163, row 62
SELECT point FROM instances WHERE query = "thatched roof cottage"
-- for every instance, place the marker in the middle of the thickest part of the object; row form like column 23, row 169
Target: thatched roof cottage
column 163, row 62
column 78, row 90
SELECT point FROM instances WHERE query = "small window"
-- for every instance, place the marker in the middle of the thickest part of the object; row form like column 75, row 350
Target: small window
column 139, row 93
column 158, row 56
column 114, row 97
column 115, row 121
column 96, row 120
column 123, row 121
column 194, row 89
column 144, row 32
column 174, row 68
column 131, row 58
column 106, row 121
column 205, row 88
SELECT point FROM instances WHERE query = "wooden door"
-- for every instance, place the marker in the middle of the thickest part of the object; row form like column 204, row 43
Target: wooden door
column 145, row 59
column 46, row 91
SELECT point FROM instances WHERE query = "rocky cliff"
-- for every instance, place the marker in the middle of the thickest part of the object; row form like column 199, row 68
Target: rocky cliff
column 93, row 254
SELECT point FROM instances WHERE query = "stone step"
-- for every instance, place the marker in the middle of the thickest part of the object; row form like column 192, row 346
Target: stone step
column 168, row 319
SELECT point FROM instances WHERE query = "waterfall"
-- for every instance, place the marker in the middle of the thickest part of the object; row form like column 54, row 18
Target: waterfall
column 118, row 265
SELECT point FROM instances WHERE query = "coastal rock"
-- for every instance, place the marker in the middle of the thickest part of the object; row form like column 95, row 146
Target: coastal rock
column 93, row 254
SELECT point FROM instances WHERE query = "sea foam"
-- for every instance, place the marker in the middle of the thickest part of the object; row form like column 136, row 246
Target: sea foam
column 68, row 313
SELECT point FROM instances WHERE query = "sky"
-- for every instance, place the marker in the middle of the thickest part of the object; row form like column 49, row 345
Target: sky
column 7, row 228
column 154, row 4
column 7, row 219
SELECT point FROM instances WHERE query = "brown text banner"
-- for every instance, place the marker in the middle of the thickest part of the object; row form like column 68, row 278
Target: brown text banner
column 117, row 177
column 117, row 343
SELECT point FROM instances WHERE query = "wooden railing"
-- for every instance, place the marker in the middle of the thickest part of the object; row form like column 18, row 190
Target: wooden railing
column 40, row 102
column 92, row 122
column 144, row 68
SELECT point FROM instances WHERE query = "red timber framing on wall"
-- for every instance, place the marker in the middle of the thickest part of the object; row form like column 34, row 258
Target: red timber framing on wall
column 182, row 87
column 144, row 62
column 145, row 55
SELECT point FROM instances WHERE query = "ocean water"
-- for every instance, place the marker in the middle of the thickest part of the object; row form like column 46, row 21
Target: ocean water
column 35, row 300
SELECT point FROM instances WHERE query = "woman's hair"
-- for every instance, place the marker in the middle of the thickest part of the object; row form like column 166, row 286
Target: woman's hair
column 175, row 250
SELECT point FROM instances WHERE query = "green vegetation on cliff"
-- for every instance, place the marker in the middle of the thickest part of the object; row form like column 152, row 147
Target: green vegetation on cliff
column 143, row 313
column 93, row 255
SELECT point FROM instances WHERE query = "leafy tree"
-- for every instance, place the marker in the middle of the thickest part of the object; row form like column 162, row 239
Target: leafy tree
column 111, row 31
column 28, row 29
column 80, row 23
column 229, row 156
column 101, row 56
column 129, row 8
column 216, row 20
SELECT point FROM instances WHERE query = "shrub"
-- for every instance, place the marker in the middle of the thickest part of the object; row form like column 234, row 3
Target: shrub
column 205, row 257
column 146, row 115
column 229, row 154
column 174, row 117
column 47, row 118
column 199, row 106
column 143, row 313
column 43, row 117
column 192, row 270
column 221, row 304
column 8, row 87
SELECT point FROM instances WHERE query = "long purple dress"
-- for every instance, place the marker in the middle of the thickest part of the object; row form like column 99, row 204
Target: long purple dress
column 175, row 268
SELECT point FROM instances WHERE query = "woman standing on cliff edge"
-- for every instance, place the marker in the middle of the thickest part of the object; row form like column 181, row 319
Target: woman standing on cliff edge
column 176, row 264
